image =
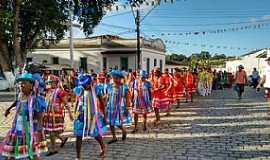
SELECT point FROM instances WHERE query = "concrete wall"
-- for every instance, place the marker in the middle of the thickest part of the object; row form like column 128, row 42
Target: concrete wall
column 231, row 66
column 94, row 58
column 249, row 62
column 147, row 53
column 172, row 67
column 114, row 60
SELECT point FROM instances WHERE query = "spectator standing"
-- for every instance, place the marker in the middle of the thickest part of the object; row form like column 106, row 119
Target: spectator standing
column 240, row 81
column 255, row 77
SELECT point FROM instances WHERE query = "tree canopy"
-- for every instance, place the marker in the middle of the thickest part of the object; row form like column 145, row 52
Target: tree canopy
column 204, row 59
column 24, row 23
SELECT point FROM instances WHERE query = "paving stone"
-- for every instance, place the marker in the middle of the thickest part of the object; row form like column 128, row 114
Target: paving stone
column 210, row 128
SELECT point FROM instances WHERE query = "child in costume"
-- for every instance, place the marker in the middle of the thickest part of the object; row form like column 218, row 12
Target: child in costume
column 118, row 100
column 142, row 98
column 89, row 121
column 25, row 139
column 160, row 100
column 54, row 115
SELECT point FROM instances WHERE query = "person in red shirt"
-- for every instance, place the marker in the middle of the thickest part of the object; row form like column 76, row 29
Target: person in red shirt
column 160, row 100
column 178, row 85
column 240, row 81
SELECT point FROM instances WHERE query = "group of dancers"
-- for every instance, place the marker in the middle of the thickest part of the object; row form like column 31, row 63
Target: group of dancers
column 105, row 101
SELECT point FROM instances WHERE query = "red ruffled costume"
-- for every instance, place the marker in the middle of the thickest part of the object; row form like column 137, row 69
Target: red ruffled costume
column 160, row 100
column 179, row 86
column 190, row 84
column 170, row 90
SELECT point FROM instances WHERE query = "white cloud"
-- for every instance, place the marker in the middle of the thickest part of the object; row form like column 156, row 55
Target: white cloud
column 255, row 19
column 266, row 17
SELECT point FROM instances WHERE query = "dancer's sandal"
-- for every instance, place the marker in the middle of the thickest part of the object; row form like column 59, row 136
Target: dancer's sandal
column 51, row 153
column 156, row 123
column 124, row 136
column 102, row 153
column 144, row 129
column 134, row 131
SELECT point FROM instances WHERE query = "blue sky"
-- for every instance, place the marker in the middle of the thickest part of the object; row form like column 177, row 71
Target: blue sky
column 184, row 16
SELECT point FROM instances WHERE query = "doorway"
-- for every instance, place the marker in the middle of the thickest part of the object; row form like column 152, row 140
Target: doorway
column 124, row 63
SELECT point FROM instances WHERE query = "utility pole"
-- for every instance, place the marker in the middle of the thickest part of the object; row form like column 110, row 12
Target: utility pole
column 138, row 20
column 138, row 23
column 71, row 35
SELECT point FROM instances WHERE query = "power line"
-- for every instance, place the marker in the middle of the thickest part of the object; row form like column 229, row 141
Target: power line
column 119, row 14
column 149, row 12
column 116, row 26
column 200, row 17
column 213, row 24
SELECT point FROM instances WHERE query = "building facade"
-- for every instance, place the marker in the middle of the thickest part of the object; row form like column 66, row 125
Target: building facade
column 253, row 59
column 102, row 52
column 171, row 65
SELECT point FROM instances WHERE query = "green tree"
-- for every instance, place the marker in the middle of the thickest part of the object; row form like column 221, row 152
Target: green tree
column 24, row 23
column 218, row 56
column 176, row 57
column 205, row 55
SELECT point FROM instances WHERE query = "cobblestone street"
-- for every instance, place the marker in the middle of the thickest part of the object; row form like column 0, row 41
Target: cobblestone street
column 211, row 128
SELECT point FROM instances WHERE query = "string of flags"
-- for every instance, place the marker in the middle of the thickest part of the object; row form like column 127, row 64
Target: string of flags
column 207, row 45
column 125, row 6
column 217, row 31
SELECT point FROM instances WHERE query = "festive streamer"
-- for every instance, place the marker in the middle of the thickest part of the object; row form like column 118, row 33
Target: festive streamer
column 205, row 45
column 232, row 29
column 31, row 126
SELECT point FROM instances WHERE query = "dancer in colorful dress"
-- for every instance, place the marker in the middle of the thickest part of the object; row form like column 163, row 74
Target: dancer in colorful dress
column 54, row 116
column 189, row 85
column 202, row 85
column 102, row 90
column 89, row 120
column 25, row 139
column 160, row 100
column 118, row 100
column 210, row 79
column 170, row 92
column 179, row 86
column 141, row 92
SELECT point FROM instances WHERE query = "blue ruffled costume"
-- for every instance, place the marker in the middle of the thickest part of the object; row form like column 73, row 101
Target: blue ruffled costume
column 117, row 112
column 89, row 121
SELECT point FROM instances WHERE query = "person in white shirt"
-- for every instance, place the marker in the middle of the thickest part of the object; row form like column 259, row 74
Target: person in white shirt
column 265, row 80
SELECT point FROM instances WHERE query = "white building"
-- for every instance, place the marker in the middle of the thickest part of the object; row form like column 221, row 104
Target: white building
column 102, row 52
column 171, row 65
column 253, row 59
